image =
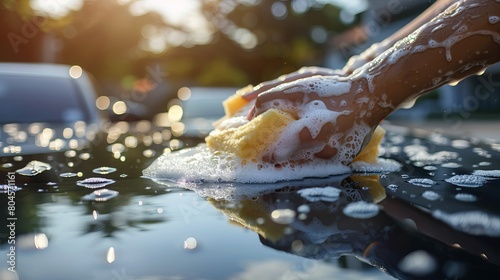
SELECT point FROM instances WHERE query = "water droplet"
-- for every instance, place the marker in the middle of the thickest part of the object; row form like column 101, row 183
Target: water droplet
column 302, row 216
column 70, row 153
column 430, row 168
column 149, row 153
column 34, row 168
column 460, row 144
column 451, row 165
column 393, row 187
column 104, row 170
column 297, row 245
column 41, row 241
column 361, row 210
column 190, row 243
column 422, row 182
column 431, row 195
column 100, row 195
column 68, row 174
column 7, row 188
column 84, row 156
column 304, row 208
column 329, row 194
column 7, row 165
column 94, row 182
column 469, row 181
column 110, row 255
column 283, row 216
column 260, row 221
column 418, row 263
column 467, row 197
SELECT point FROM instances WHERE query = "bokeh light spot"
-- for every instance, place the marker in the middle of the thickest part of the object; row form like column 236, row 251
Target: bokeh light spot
column 75, row 71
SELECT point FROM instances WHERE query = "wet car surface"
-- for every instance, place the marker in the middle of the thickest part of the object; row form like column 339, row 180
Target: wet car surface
column 87, row 213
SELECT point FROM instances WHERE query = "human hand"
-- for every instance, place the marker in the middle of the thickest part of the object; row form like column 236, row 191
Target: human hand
column 334, row 118
column 303, row 72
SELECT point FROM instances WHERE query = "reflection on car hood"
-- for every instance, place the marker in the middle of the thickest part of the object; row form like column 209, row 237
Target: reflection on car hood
column 36, row 138
column 422, row 222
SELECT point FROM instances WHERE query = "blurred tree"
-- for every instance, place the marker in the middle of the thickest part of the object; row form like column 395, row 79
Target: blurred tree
column 101, row 36
column 245, row 41
column 262, row 39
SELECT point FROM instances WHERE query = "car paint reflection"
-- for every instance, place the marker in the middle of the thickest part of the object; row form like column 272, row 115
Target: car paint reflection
column 402, row 236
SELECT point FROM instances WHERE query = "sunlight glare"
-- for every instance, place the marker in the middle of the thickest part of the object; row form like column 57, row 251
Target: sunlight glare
column 55, row 8
column 185, row 14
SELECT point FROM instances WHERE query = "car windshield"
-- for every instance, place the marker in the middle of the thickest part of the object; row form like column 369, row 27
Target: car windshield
column 29, row 99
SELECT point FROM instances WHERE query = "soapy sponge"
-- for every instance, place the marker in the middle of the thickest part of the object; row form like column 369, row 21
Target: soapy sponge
column 370, row 152
column 250, row 141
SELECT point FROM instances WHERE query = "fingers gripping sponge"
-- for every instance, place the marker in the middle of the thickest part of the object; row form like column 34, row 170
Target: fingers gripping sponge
column 250, row 141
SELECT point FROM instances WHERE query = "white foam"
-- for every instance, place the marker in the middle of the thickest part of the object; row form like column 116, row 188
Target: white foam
column 471, row 222
column 422, row 182
column 381, row 166
column 202, row 164
column 330, row 194
column 232, row 122
column 361, row 210
column 493, row 19
column 420, row 153
column 431, row 195
column 470, row 181
column 487, row 173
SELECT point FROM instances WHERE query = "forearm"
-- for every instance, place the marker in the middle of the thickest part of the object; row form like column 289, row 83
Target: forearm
column 461, row 41
column 378, row 48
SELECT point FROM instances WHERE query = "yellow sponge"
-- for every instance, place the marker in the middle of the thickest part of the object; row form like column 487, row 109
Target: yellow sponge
column 371, row 182
column 370, row 151
column 235, row 102
column 250, row 141
column 248, row 213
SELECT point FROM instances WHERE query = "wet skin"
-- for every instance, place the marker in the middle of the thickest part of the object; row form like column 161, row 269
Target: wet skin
column 457, row 39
